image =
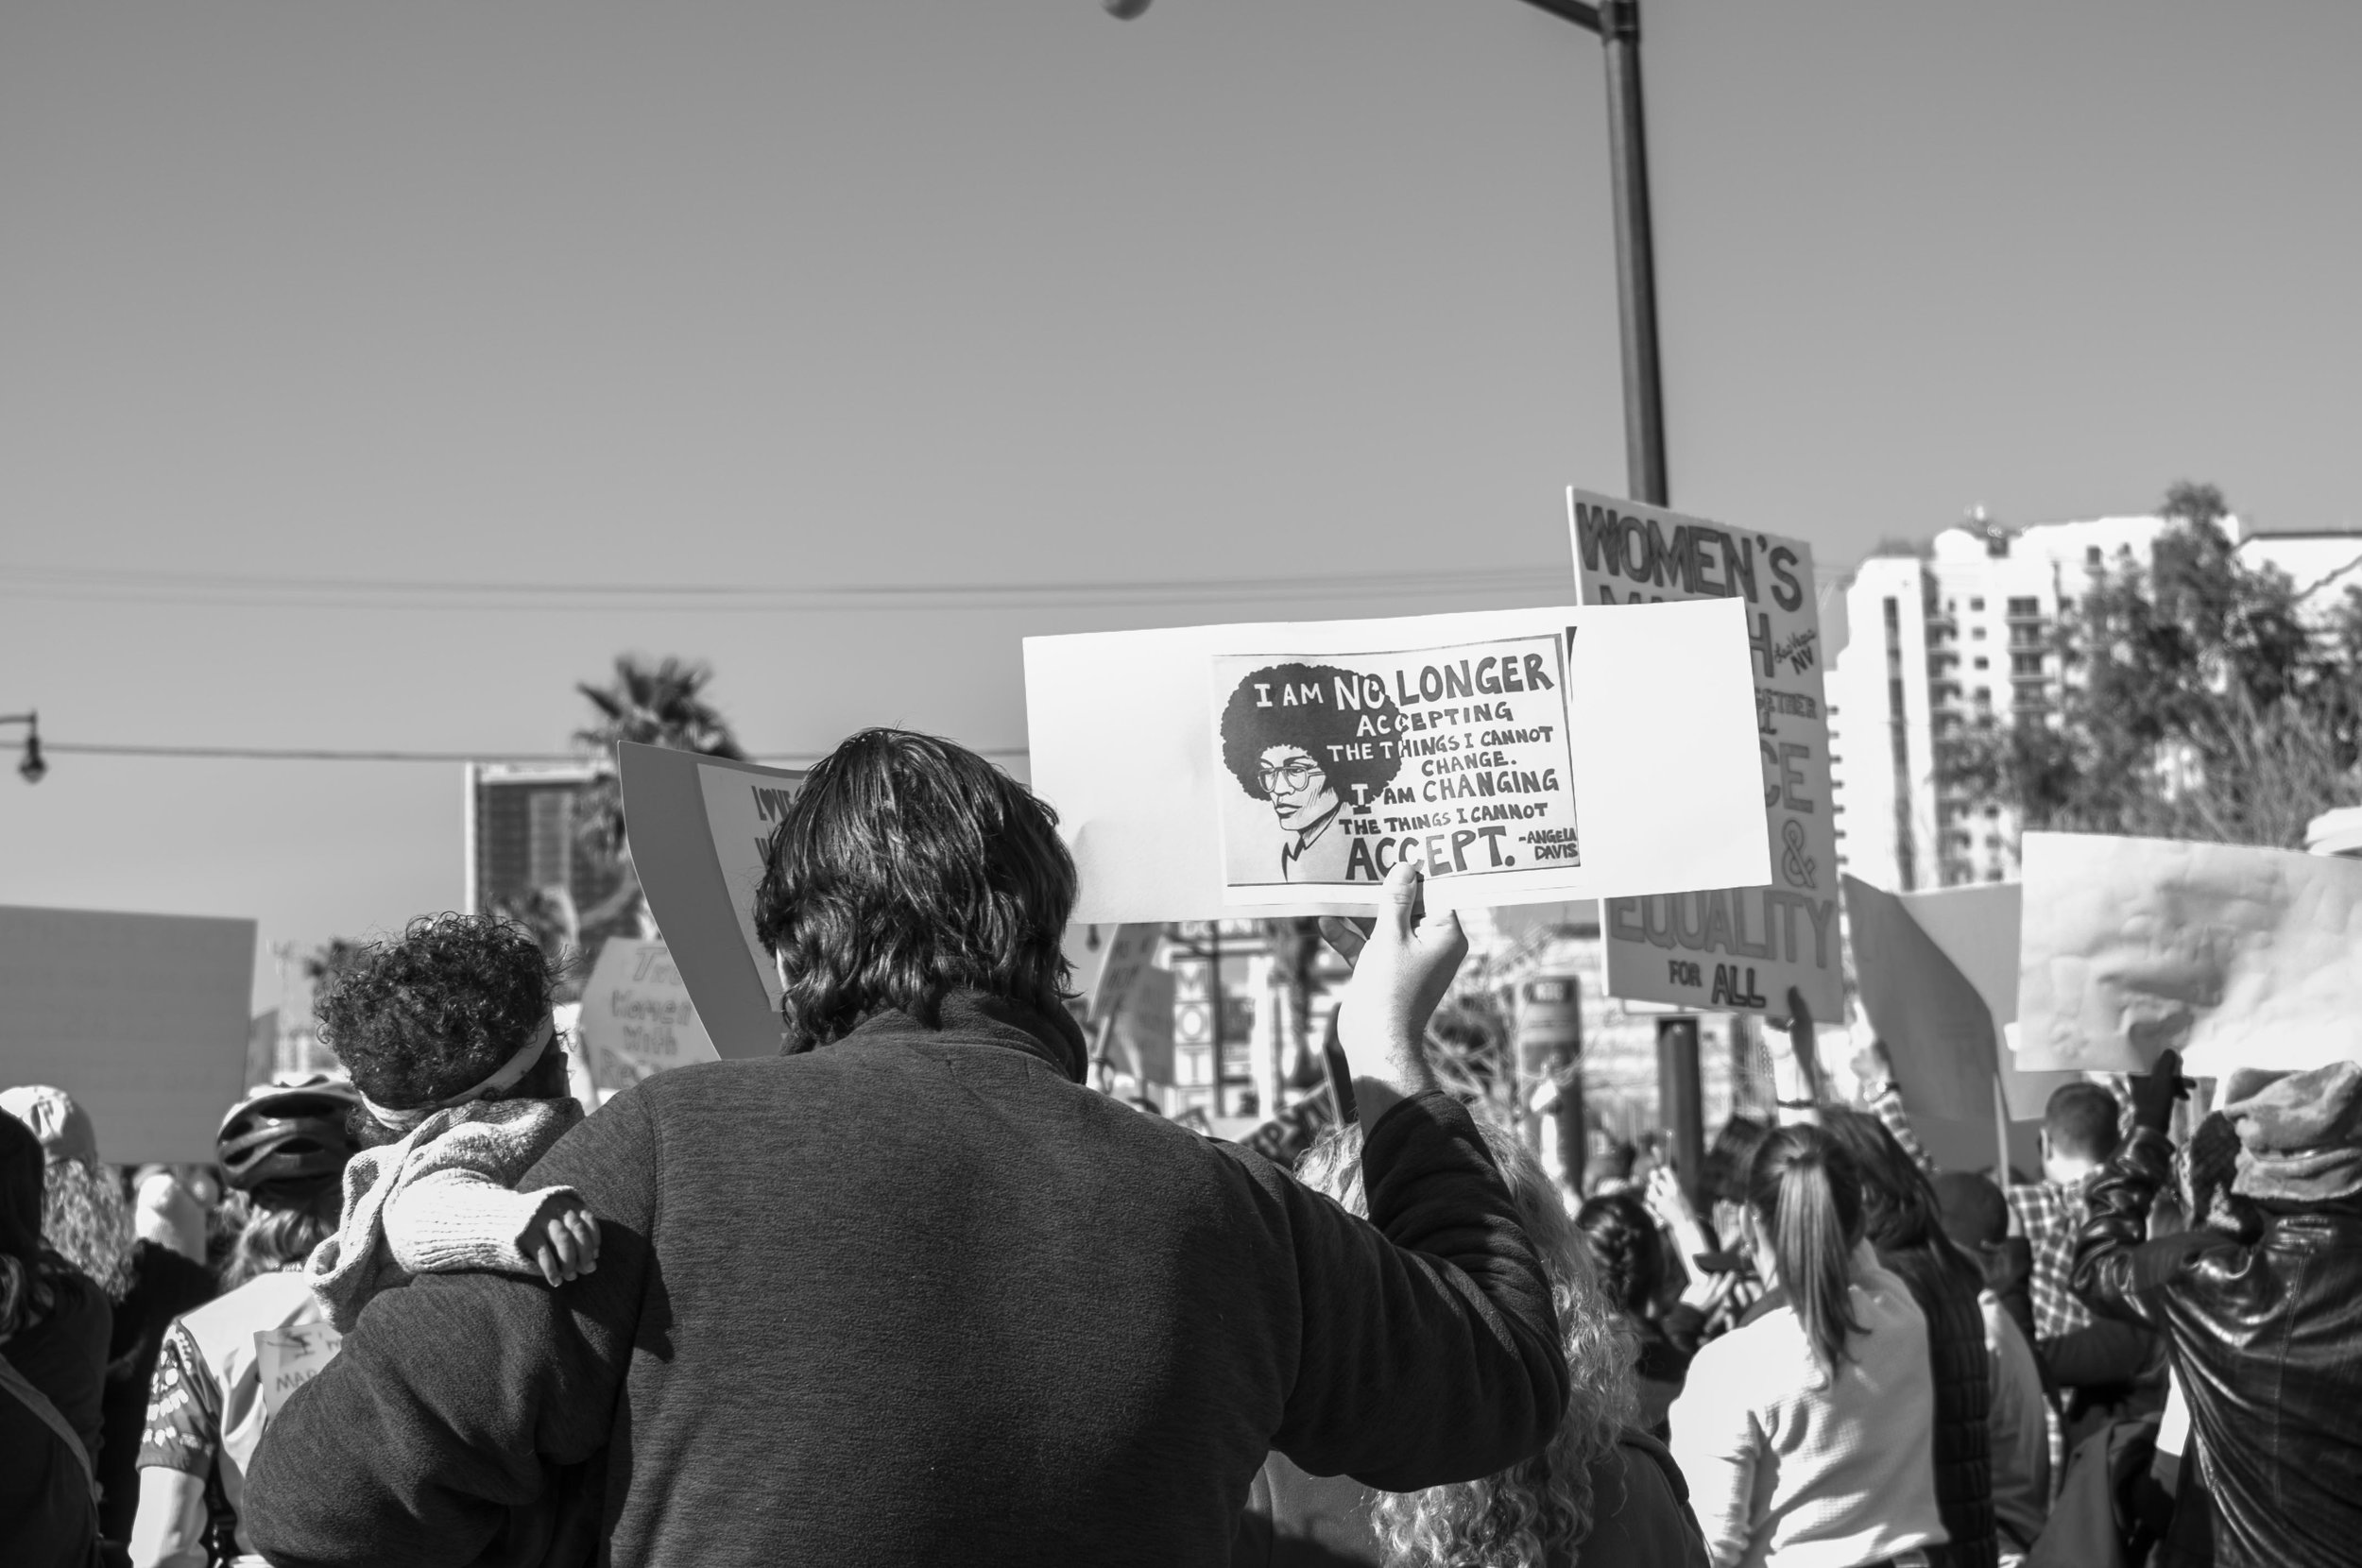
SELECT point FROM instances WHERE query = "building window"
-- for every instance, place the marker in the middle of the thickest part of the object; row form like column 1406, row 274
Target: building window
column 2090, row 554
column 550, row 838
column 1978, row 632
column 1976, row 603
column 1983, row 661
column 1984, row 696
column 2023, row 608
column 2024, row 664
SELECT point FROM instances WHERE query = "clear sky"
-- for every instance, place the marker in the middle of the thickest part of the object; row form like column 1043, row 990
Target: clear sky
column 876, row 291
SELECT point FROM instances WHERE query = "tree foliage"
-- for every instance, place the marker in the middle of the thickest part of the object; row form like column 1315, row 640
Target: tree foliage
column 660, row 704
column 2195, row 702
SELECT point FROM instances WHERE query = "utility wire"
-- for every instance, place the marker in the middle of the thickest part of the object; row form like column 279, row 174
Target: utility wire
column 212, row 588
column 323, row 753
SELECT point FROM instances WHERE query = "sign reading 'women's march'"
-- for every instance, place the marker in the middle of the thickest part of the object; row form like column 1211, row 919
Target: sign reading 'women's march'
column 1287, row 768
column 1740, row 948
column 1347, row 764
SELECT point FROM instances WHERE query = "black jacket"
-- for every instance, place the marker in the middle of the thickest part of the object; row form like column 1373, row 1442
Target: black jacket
column 1946, row 1295
column 2266, row 1340
column 917, row 1296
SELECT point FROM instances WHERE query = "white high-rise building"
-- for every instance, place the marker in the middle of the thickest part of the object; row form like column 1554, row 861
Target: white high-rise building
column 1934, row 644
column 1963, row 633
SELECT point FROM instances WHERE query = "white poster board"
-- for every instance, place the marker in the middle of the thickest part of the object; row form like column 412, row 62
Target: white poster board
column 699, row 827
column 2235, row 957
column 636, row 1010
column 1728, row 949
column 140, row 1017
column 1650, row 706
column 287, row 1358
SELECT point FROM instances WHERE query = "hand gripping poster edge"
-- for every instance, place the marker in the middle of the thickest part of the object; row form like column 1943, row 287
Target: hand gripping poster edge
column 673, row 847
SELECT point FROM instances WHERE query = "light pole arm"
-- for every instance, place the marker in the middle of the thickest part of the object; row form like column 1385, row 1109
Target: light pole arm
column 1582, row 15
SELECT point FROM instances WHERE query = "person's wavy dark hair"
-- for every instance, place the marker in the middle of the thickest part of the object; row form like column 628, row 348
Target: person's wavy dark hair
column 1630, row 1251
column 423, row 1017
column 1249, row 729
column 1805, row 1193
column 1900, row 1210
column 907, row 868
column 1724, row 1178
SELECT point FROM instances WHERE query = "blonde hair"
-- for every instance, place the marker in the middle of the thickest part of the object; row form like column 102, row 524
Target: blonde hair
column 1522, row 1516
column 86, row 1220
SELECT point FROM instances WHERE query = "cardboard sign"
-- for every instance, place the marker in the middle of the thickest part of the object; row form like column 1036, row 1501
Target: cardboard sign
column 1938, row 1029
column 1129, row 953
column 636, row 1010
column 140, row 1017
column 2234, row 957
column 699, row 828
column 1534, row 792
column 289, row 1357
column 1696, row 952
column 1976, row 927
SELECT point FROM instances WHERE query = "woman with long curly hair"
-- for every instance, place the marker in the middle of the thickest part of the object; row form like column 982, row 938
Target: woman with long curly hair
column 1603, row 1495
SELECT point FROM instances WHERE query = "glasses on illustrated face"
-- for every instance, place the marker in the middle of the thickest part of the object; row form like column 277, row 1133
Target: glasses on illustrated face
column 1294, row 775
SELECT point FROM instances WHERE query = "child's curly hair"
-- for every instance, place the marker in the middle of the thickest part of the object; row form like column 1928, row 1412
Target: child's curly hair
column 423, row 1017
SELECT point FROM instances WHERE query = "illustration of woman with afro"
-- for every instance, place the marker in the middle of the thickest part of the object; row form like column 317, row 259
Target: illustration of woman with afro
column 1284, row 735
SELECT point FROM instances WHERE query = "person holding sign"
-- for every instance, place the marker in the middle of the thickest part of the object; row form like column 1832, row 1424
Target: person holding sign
column 2264, row 1318
column 909, row 1293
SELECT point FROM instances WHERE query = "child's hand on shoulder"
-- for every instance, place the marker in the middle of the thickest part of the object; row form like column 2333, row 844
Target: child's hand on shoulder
column 562, row 1238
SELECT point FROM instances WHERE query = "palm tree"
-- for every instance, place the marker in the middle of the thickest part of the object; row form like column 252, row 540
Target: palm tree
column 655, row 707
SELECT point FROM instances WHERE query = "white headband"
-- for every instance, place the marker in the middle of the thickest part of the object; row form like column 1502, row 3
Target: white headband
column 404, row 1119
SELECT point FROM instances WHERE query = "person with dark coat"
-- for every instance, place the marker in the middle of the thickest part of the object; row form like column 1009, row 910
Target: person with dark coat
column 86, row 1217
column 1905, row 1226
column 2263, row 1315
column 909, row 1292
column 53, row 1359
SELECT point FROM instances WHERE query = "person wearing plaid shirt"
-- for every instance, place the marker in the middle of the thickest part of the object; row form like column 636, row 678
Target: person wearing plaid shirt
column 2082, row 1128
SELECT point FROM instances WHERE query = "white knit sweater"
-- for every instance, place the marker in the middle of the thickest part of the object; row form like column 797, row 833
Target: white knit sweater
column 1791, row 1469
column 440, row 1199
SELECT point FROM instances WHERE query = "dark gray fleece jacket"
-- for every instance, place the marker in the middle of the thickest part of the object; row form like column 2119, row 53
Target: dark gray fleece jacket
column 917, row 1296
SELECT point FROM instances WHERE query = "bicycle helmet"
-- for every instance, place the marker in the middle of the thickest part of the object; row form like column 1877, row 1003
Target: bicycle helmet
column 285, row 1133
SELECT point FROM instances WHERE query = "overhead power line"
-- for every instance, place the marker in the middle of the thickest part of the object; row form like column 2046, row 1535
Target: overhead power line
column 328, row 753
column 263, row 591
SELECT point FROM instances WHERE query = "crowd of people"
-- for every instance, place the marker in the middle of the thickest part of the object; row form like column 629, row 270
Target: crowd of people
column 912, row 1292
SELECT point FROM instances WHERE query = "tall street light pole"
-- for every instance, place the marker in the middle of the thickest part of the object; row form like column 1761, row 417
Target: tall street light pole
column 1618, row 25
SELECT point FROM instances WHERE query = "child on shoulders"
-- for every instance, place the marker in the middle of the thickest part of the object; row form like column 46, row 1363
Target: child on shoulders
column 447, row 1033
